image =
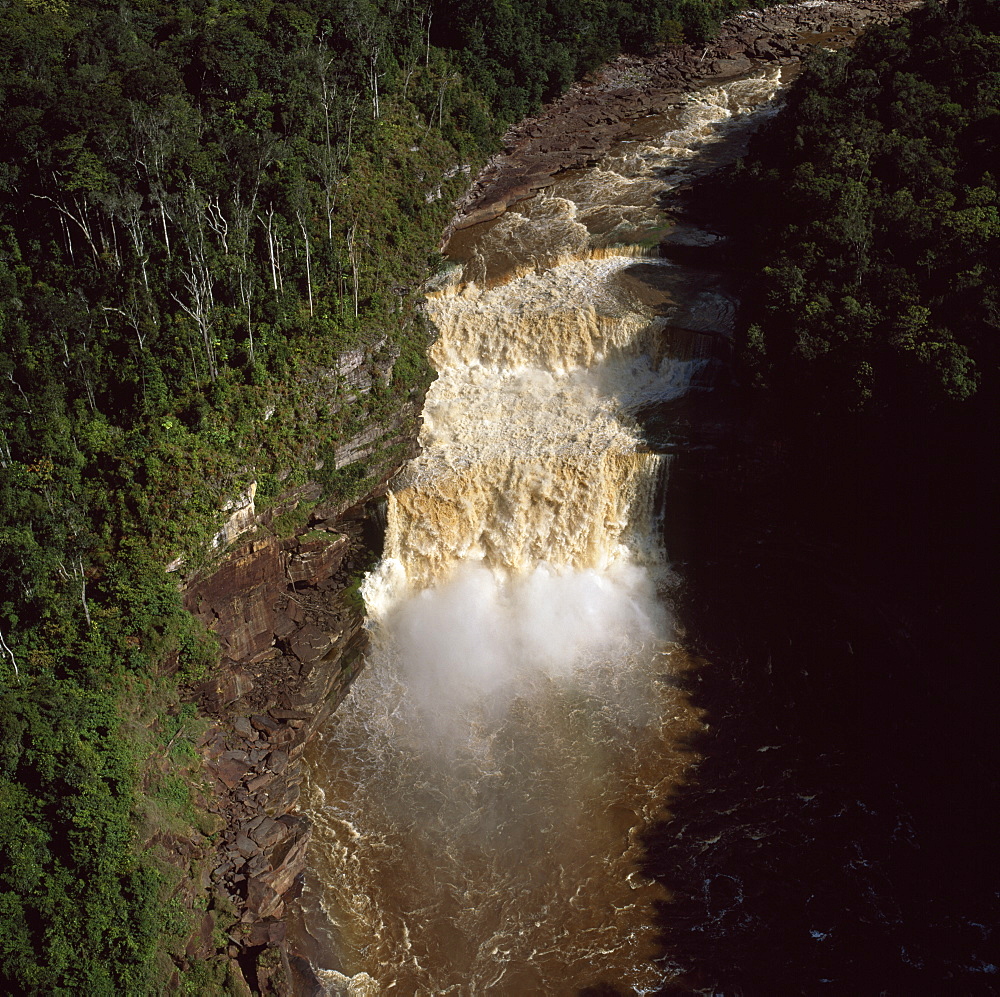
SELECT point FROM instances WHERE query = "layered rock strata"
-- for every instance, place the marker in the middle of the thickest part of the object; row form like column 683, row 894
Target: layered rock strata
column 291, row 640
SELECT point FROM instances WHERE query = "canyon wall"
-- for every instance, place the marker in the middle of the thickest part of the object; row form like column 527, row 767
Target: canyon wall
column 284, row 605
column 289, row 622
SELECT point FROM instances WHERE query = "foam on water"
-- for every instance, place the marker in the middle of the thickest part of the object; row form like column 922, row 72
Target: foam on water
column 477, row 799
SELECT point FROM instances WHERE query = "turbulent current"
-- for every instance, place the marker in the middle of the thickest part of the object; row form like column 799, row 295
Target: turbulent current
column 477, row 799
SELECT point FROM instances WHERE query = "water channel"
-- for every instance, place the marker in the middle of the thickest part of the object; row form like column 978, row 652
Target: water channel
column 479, row 798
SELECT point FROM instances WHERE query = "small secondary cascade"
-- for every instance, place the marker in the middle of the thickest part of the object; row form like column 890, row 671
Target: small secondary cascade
column 477, row 799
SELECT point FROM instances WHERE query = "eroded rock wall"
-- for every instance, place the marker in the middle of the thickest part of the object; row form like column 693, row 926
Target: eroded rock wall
column 291, row 640
column 291, row 643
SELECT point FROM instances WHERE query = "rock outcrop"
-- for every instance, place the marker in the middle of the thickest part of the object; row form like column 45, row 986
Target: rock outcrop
column 581, row 126
column 291, row 641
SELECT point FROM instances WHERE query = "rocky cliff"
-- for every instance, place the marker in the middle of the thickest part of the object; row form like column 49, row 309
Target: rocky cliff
column 290, row 629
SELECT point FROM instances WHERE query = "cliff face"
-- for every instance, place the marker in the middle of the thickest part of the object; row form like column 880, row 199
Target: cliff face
column 291, row 638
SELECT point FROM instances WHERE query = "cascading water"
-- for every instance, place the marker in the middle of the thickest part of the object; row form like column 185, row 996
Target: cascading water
column 477, row 798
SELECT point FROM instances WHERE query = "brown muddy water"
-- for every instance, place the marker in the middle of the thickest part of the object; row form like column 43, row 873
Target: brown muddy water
column 478, row 800
column 492, row 802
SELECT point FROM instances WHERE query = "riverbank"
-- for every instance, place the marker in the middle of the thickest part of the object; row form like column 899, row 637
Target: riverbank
column 289, row 690
column 594, row 114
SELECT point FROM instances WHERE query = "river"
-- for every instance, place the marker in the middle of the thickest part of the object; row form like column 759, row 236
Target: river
column 479, row 799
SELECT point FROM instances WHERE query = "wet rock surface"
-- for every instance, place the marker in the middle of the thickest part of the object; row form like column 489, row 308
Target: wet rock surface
column 576, row 130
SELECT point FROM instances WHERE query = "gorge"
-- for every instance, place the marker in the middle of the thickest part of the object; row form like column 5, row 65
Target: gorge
column 790, row 820
column 636, row 647
column 479, row 800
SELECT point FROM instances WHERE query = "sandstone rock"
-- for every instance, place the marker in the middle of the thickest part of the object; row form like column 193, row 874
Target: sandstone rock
column 284, row 624
column 259, row 782
column 310, row 643
column 246, row 845
column 279, row 714
column 282, row 736
column 317, row 558
column 732, row 67
column 236, row 600
column 304, row 979
column 232, row 685
column 269, row 655
column 257, row 865
column 243, row 727
column 229, row 770
column 265, row 724
column 277, row 761
column 266, row 832
column 252, row 825
column 262, row 900
column 292, row 864
column 267, row 932
column 241, row 518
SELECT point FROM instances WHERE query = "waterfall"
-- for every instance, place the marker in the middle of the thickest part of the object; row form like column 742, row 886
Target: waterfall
column 477, row 799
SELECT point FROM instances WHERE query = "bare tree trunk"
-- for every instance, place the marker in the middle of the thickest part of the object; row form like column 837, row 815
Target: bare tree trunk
column 199, row 284
column 246, row 296
column 13, row 661
column 68, row 236
column 354, row 264
column 166, row 236
column 270, row 245
column 83, row 592
column 81, row 222
column 305, row 236
column 374, row 75
column 217, row 222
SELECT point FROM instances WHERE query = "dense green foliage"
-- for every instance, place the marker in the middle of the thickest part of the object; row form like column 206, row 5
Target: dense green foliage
column 209, row 215
column 872, row 205
column 518, row 52
column 62, row 756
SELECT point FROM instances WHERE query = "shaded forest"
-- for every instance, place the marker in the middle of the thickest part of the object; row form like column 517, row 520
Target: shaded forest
column 865, row 218
column 838, row 549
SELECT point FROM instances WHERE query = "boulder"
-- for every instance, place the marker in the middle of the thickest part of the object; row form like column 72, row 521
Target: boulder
column 262, row 899
column 310, row 644
column 733, row 67
column 267, row 932
column 229, row 770
column 317, row 558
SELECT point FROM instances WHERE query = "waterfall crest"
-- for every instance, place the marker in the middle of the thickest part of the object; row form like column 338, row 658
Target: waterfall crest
column 477, row 800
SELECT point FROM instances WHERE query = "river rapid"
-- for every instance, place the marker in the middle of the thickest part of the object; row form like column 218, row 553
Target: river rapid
column 479, row 799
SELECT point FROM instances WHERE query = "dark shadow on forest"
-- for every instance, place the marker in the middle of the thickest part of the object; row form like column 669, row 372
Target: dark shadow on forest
column 838, row 835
